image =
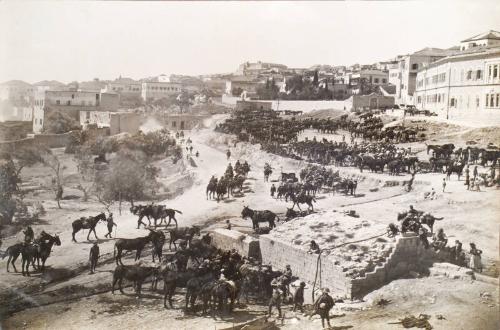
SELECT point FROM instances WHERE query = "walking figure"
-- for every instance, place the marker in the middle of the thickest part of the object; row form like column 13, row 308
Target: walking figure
column 323, row 305
column 275, row 301
column 273, row 190
column 93, row 257
column 298, row 298
column 444, row 184
column 110, row 225
column 228, row 154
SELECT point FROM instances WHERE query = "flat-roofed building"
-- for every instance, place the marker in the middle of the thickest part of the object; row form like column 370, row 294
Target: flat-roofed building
column 152, row 91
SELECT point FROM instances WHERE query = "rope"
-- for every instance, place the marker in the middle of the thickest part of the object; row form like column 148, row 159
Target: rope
column 318, row 261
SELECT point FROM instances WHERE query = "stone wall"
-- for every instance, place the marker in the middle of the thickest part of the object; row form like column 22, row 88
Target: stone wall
column 408, row 255
column 225, row 239
column 304, row 265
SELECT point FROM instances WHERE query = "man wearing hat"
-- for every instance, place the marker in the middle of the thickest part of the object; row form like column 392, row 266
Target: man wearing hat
column 110, row 225
column 93, row 257
column 323, row 305
column 298, row 298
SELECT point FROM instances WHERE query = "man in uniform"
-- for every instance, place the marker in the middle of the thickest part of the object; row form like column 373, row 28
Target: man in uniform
column 93, row 257
column 28, row 234
column 273, row 190
column 298, row 298
column 110, row 225
column 275, row 301
column 322, row 306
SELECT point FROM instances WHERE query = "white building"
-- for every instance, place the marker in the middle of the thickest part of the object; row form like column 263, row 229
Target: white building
column 487, row 39
column 152, row 91
column 466, row 83
column 404, row 77
column 124, row 86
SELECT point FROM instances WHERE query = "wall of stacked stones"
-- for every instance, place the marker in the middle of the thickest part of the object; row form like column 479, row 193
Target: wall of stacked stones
column 304, row 265
column 408, row 255
column 231, row 239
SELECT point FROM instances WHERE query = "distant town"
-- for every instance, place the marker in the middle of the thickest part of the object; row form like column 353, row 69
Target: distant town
column 457, row 82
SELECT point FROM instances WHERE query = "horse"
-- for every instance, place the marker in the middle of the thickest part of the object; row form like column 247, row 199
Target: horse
column 222, row 291
column 148, row 211
column 29, row 253
column 170, row 213
column 211, row 189
column 182, row 233
column 303, row 199
column 13, row 252
column 194, row 287
column 46, row 242
column 132, row 244
column 87, row 223
column 259, row 216
column 455, row 168
column 137, row 274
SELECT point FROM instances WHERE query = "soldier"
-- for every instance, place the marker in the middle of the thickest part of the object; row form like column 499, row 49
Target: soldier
column 93, row 257
column 228, row 154
column 273, row 190
column 474, row 173
column 298, row 298
column 197, row 154
column 323, row 305
column 444, row 184
column 275, row 301
column 28, row 234
column 110, row 225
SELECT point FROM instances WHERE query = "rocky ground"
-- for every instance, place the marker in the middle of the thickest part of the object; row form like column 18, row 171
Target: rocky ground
column 68, row 297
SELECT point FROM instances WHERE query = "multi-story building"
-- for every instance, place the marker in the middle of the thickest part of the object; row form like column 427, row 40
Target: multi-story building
column 487, row 39
column 239, row 84
column 152, row 91
column 357, row 80
column 250, row 69
column 466, row 82
column 71, row 103
column 17, row 92
column 124, row 87
column 404, row 77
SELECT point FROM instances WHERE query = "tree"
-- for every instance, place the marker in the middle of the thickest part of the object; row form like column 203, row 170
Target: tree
column 59, row 122
column 86, row 171
column 237, row 91
column 130, row 177
column 53, row 162
column 8, row 187
column 316, row 78
column 183, row 100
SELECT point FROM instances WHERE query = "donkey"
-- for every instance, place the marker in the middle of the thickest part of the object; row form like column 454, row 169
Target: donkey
column 87, row 223
column 45, row 243
column 137, row 274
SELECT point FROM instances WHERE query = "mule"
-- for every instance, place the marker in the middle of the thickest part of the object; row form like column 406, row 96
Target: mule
column 87, row 223
column 259, row 216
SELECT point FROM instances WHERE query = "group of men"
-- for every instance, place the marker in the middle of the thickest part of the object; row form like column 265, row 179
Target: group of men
column 322, row 305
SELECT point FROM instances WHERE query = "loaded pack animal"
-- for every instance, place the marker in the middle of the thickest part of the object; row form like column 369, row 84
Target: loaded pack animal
column 134, row 273
column 155, row 212
column 455, row 168
column 134, row 244
column 259, row 216
column 413, row 223
column 212, row 188
column 87, row 223
column 439, row 151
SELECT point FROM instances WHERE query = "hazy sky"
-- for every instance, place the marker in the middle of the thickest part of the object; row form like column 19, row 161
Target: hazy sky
column 82, row 40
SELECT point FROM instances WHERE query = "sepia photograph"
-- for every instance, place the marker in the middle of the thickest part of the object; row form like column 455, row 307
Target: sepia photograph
column 250, row 165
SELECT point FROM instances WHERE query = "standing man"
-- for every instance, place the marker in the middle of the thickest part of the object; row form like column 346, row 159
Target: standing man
column 275, row 301
column 410, row 183
column 228, row 154
column 323, row 305
column 444, row 184
column 474, row 173
column 110, row 225
column 298, row 298
column 28, row 234
column 93, row 257
column 273, row 190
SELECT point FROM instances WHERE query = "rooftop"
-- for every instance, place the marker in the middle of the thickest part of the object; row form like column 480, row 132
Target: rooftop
column 429, row 51
column 491, row 34
column 17, row 83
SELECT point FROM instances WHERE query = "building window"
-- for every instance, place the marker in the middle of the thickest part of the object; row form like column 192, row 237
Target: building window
column 495, row 71
column 469, row 75
column 384, row 80
column 376, row 80
column 72, row 96
column 498, row 99
column 487, row 100
column 452, row 102
column 478, row 74
column 174, row 124
column 414, row 66
column 58, row 102
column 68, row 102
column 87, row 115
column 41, row 122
